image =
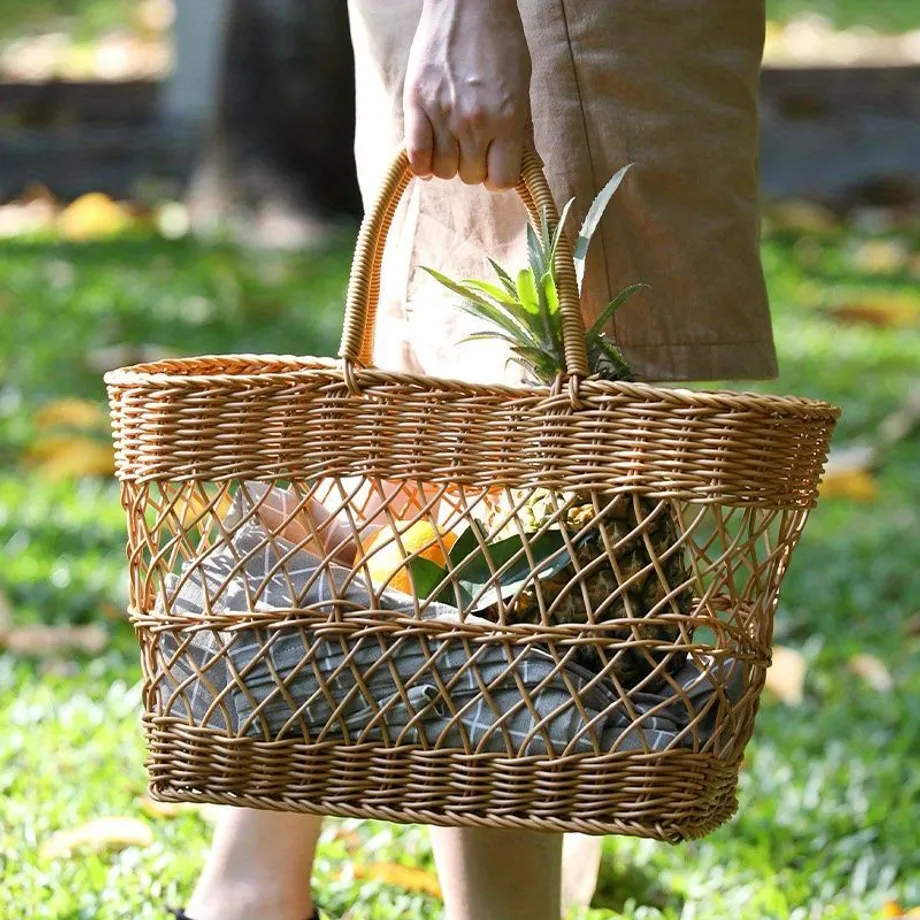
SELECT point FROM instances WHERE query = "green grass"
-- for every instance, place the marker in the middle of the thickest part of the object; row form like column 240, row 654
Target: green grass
column 84, row 19
column 831, row 793
column 87, row 18
column 884, row 15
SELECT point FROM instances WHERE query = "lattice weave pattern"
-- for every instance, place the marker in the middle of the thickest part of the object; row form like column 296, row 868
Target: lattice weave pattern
column 366, row 593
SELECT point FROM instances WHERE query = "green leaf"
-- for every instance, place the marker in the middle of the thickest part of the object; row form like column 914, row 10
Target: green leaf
column 503, row 276
column 612, row 308
column 465, row 292
column 486, row 334
column 598, row 349
column 560, row 229
column 549, row 310
column 593, row 218
column 471, row 539
column 546, row 237
column 550, row 293
column 426, row 575
column 542, row 369
column 546, row 365
column 479, row 581
column 499, row 317
column 527, row 291
column 535, row 253
column 498, row 294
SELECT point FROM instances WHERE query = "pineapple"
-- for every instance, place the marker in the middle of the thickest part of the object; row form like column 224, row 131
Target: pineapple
column 524, row 312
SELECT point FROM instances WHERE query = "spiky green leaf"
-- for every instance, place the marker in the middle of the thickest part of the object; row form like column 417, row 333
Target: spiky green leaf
column 612, row 308
column 492, row 291
column 606, row 360
column 550, row 292
column 466, row 292
column 593, row 218
column 503, row 276
column 485, row 334
column 499, row 317
column 535, row 253
column 560, row 228
column 527, row 291
column 546, row 237
column 542, row 364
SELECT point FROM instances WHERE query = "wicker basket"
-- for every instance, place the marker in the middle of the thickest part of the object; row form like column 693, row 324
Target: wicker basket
column 305, row 649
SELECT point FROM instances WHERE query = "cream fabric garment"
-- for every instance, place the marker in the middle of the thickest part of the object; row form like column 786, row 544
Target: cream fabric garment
column 669, row 85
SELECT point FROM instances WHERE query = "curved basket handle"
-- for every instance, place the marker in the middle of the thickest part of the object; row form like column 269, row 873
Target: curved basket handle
column 364, row 282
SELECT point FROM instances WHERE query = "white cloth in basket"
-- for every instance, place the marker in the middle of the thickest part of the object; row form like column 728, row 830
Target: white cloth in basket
column 286, row 679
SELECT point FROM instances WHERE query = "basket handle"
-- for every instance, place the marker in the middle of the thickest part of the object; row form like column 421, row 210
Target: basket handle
column 364, row 282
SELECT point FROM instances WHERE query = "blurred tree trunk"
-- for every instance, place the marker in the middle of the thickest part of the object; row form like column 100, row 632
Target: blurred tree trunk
column 279, row 164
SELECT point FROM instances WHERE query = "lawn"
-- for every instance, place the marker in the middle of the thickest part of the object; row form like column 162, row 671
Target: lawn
column 828, row 826
column 85, row 19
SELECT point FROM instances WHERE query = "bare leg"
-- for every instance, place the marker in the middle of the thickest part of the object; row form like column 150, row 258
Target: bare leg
column 498, row 874
column 259, row 866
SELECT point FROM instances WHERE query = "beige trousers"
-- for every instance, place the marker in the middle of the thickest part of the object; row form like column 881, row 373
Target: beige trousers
column 669, row 85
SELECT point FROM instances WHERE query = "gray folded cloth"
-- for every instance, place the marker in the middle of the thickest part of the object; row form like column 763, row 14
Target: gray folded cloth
column 495, row 696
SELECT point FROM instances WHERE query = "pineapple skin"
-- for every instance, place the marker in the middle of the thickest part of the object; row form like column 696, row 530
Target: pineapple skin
column 569, row 594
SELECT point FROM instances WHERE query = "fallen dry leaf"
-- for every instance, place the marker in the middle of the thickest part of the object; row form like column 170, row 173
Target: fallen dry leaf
column 799, row 216
column 53, row 640
column 72, row 413
column 155, row 15
column 347, row 837
column 873, row 672
column 881, row 256
column 93, row 216
column 912, row 627
column 848, row 474
column 102, row 834
column 154, row 809
column 65, row 457
column 786, row 676
column 405, row 877
column 894, row 911
column 18, row 218
column 883, row 310
column 857, row 485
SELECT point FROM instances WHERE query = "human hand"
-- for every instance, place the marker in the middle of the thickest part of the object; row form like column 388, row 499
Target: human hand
column 467, row 93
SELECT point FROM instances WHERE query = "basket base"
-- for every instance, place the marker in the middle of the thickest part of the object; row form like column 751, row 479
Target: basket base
column 672, row 796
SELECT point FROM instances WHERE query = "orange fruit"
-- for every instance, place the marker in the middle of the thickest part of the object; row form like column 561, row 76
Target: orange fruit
column 386, row 557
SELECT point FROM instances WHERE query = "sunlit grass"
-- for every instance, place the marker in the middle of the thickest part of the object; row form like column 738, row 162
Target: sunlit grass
column 829, row 795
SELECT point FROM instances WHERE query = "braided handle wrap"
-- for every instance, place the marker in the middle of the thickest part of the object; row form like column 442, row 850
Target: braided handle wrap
column 364, row 282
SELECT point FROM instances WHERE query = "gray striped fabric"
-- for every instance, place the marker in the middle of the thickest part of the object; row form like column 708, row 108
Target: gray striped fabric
column 285, row 680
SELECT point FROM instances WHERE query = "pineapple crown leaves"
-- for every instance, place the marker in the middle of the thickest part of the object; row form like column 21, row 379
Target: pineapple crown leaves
column 523, row 311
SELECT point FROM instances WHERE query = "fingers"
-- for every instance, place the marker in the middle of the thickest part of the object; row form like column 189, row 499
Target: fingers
column 434, row 150
column 473, row 166
column 419, row 142
column 503, row 163
column 446, row 160
column 480, row 145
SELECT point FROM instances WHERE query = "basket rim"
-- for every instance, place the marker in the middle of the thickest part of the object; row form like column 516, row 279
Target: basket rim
column 210, row 370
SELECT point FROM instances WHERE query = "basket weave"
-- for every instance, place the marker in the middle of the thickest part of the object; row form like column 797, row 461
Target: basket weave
column 197, row 438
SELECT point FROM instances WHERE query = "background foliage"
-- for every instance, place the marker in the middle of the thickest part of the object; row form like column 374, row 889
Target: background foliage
column 828, row 825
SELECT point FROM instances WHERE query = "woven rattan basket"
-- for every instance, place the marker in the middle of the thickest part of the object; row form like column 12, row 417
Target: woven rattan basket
column 290, row 663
